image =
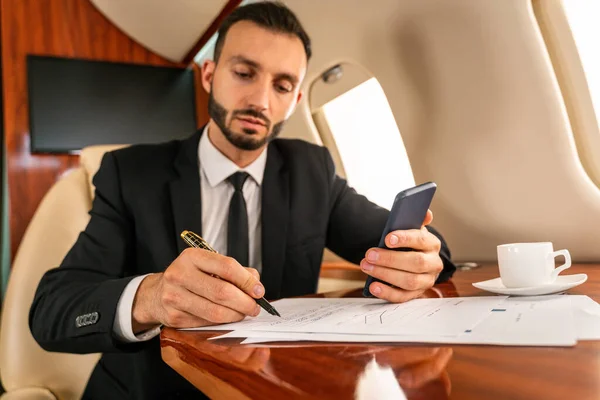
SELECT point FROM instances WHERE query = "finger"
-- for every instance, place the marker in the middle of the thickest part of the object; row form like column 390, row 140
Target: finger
column 225, row 294
column 393, row 295
column 181, row 319
column 247, row 358
column 445, row 378
column 401, row 279
column 218, row 291
column 258, row 359
column 174, row 312
column 428, row 218
column 409, row 261
column 421, row 373
column 239, row 354
column 417, row 239
column 228, row 269
column 177, row 300
column 214, row 313
column 255, row 273
column 432, row 293
column 212, row 346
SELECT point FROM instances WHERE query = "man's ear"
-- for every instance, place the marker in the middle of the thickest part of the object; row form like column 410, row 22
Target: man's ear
column 300, row 94
column 207, row 73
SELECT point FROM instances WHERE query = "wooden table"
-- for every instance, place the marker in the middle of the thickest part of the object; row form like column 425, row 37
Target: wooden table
column 303, row 370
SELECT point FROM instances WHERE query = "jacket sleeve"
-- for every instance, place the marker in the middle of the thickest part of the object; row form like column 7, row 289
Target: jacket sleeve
column 356, row 224
column 75, row 304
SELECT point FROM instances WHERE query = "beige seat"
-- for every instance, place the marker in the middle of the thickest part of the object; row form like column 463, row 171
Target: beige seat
column 28, row 371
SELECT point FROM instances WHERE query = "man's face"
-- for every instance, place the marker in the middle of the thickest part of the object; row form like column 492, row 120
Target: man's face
column 255, row 85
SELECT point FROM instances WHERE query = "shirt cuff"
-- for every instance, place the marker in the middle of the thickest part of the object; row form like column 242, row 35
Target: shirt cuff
column 122, row 325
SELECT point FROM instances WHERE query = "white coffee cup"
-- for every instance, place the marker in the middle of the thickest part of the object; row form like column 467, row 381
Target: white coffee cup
column 529, row 264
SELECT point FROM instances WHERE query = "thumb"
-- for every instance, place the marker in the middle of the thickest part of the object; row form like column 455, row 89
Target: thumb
column 428, row 218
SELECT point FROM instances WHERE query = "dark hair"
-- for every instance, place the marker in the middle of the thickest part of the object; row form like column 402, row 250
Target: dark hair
column 271, row 15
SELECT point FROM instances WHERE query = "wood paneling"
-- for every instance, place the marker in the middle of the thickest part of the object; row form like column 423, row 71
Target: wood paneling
column 65, row 28
column 224, row 368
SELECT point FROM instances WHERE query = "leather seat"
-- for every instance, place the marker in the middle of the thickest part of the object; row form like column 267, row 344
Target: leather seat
column 28, row 371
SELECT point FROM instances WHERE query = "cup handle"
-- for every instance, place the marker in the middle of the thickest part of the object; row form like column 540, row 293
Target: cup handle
column 566, row 265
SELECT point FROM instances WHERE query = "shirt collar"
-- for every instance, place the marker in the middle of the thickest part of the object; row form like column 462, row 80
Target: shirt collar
column 217, row 167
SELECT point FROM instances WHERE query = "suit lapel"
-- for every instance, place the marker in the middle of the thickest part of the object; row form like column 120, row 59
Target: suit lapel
column 185, row 191
column 275, row 215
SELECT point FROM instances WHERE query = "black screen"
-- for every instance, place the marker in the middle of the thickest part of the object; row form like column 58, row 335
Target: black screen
column 75, row 103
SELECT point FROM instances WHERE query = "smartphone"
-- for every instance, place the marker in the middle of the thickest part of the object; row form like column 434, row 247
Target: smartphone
column 408, row 212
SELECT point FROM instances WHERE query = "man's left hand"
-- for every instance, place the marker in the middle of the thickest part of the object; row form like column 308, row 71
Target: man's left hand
column 410, row 272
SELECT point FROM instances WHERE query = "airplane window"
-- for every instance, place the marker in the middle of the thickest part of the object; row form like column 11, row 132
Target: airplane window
column 368, row 141
column 583, row 22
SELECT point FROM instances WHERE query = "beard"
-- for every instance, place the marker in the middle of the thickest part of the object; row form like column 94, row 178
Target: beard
column 244, row 140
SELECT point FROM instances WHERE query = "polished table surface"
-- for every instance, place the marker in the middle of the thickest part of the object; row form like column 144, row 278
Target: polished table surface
column 225, row 369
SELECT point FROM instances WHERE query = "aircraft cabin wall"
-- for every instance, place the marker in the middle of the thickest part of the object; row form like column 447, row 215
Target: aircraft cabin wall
column 489, row 99
column 476, row 98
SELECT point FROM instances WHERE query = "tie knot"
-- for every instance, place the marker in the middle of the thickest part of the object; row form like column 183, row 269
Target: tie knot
column 237, row 180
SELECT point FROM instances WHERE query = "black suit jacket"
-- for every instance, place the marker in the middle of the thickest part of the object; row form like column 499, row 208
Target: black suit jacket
column 145, row 196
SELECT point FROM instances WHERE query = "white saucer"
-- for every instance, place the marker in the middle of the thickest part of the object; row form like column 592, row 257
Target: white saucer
column 562, row 283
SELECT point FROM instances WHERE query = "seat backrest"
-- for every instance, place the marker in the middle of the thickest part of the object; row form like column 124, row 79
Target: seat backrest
column 90, row 158
column 55, row 226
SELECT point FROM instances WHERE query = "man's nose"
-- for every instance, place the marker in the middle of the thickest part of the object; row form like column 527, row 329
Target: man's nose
column 259, row 98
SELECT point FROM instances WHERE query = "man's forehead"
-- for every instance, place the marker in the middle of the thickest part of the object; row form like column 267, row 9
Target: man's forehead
column 274, row 51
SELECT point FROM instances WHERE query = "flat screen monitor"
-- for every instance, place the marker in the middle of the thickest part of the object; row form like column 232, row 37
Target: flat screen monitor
column 75, row 103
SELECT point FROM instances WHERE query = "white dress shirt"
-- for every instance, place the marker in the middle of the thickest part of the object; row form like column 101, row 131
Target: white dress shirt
column 216, row 193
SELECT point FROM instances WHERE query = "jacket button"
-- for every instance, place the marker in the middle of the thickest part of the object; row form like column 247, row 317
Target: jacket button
column 94, row 317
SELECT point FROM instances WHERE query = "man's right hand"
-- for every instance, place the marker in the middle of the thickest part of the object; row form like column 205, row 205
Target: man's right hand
column 186, row 294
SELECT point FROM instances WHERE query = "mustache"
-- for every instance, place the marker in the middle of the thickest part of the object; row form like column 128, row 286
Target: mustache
column 252, row 113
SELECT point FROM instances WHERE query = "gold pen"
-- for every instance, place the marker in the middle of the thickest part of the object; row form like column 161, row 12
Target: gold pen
column 194, row 240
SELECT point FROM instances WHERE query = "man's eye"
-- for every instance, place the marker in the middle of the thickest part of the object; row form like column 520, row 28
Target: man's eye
column 283, row 88
column 243, row 75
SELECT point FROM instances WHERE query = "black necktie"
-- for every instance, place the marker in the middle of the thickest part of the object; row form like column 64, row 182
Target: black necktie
column 237, row 224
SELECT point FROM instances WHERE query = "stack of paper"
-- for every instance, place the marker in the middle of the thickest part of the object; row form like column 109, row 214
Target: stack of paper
column 554, row 320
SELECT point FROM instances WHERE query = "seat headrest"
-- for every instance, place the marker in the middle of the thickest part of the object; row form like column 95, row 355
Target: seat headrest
column 90, row 158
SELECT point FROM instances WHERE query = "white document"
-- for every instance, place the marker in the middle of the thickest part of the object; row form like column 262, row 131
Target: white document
column 586, row 313
column 535, row 321
column 442, row 317
column 519, row 321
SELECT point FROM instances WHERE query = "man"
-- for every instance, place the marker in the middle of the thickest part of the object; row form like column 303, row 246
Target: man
column 272, row 205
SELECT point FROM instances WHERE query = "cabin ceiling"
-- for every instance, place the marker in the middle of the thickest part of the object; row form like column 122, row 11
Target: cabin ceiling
column 168, row 28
